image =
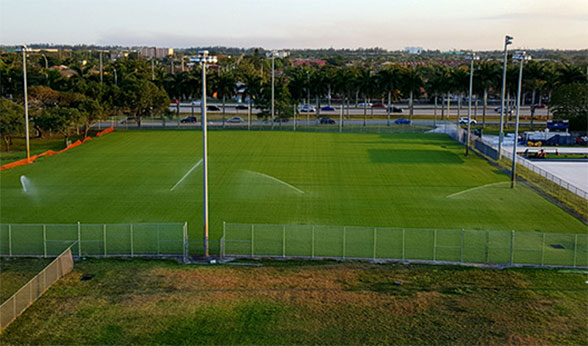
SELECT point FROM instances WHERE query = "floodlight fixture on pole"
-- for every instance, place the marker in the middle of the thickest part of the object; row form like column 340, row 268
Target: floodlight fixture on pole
column 204, row 59
column 473, row 57
column 507, row 41
column 521, row 56
column 272, row 54
column 26, row 103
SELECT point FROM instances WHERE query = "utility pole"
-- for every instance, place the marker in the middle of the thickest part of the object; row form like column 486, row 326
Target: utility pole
column 472, row 57
column 101, row 78
column 26, row 103
column 507, row 41
column 521, row 57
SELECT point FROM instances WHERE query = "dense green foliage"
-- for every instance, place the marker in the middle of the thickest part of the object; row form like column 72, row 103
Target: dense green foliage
column 571, row 102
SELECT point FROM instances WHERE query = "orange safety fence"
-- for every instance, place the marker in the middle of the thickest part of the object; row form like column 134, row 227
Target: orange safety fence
column 52, row 152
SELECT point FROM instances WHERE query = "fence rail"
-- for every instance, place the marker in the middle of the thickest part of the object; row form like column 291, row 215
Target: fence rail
column 95, row 240
column 31, row 291
column 378, row 243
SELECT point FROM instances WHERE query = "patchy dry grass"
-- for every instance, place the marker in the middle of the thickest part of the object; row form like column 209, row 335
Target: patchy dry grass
column 15, row 273
column 161, row 302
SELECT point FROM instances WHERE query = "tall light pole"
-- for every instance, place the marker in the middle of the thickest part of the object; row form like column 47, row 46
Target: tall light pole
column 521, row 56
column 26, row 103
column 203, row 59
column 472, row 58
column 101, row 78
column 272, row 54
column 507, row 40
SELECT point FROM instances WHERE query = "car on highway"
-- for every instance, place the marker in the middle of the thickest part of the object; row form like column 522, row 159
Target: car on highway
column 364, row 104
column 281, row 120
column 235, row 120
column 464, row 120
column 402, row 121
column 508, row 110
column 175, row 101
column 196, row 103
column 241, row 107
column 212, row 108
column 327, row 121
column 328, row 109
column 378, row 105
column 189, row 120
column 307, row 108
column 395, row 109
column 540, row 106
column 129, row 120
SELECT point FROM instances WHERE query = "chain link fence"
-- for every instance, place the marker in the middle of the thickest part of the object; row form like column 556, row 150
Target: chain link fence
column 96, row 240
column 378, row 243
column 30, row 292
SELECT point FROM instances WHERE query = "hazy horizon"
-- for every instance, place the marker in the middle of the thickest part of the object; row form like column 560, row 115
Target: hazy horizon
column 278, row 24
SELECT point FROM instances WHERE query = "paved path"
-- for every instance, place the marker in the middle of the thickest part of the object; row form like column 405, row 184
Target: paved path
column 574, row 172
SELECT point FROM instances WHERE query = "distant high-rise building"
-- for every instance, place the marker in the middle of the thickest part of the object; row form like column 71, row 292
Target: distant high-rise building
column 414, row 50
column 154, row 52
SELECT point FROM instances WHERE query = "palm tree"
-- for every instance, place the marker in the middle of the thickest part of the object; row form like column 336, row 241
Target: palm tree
column 389, row 82
column 460, row 82
column 365, row 84
column 225, row 87
column 297, row 84
column 488, row 76
column 412, row 81
column 436, row 83
column 318, row 86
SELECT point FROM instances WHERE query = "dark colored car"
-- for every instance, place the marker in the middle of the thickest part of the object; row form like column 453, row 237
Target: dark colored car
column 328, row 109
column 189, row 120
column 378, row 105
column 212, row 108
column 241, row 107
column 175, row 101
column 281, row 120
column 402, row 121
column 539, row 105
column 395, row 109
column 327, row 121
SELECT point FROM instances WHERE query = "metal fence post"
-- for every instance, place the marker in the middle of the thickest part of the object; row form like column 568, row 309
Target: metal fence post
column 543, row 249
column 487, row 255
column 344, row 231
column 252, row 240
column 312, row 245
column 104, row 236
column 575, row 248
column 132, row 240
column 79, row 239
column 375, row 238
column 187, row 243
column 157, row 240
column 512, row 239
column 461, row 250
column 44, row 240
column 434, row 245
column 284, row 241
column 403, row 244
column 9, row 240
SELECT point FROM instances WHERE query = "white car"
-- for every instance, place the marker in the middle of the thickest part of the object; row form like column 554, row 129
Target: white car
column 307, row 108
column 235, row 120
column 196, row 103
column 464, row 120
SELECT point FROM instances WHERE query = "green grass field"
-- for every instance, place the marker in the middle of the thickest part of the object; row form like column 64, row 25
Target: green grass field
column 384, row 180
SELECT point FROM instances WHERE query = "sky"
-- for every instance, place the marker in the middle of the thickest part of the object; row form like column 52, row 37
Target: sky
column 284, row 24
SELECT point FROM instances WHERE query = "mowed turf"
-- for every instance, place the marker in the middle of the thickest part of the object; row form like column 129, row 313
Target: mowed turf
column 384, row 180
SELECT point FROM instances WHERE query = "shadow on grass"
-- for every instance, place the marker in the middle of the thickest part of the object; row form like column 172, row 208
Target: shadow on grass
column 414, row 156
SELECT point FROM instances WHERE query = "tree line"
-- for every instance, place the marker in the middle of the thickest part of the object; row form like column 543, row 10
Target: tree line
column 74, row 99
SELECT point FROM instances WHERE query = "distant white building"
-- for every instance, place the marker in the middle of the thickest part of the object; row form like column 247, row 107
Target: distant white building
column 157, row 53
column 413, row 50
